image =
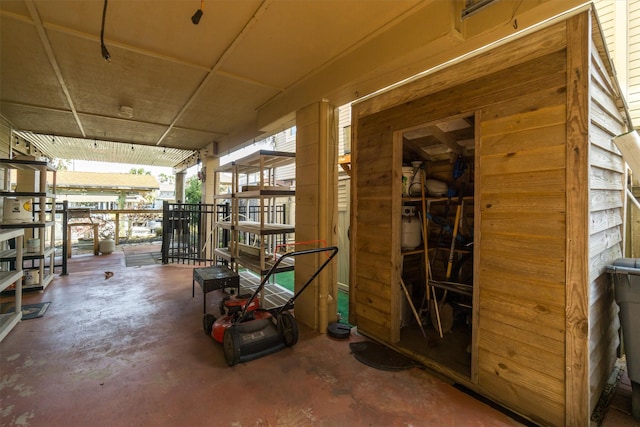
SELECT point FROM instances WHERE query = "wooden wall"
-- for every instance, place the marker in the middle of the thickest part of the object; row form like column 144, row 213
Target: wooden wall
column 531, row 348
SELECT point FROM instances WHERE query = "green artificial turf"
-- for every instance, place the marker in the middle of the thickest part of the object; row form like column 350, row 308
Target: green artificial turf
column 286, row 280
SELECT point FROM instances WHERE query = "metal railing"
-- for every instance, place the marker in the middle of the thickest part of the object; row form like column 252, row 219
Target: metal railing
column 187, row 230
column 190, row 234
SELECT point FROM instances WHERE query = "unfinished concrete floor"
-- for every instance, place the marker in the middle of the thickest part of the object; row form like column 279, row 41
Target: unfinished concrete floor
column 130, row 351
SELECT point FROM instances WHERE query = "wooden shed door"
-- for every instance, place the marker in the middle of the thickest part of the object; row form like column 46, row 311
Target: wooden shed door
column 520, row 248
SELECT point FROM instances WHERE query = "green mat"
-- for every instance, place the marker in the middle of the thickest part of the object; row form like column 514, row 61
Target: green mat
column 286, row 280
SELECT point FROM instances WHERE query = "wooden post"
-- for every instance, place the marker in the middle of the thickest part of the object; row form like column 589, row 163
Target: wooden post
column 316, row 210
column 577, row 223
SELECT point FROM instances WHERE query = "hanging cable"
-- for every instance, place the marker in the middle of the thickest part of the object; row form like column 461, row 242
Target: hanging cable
column 105, row 52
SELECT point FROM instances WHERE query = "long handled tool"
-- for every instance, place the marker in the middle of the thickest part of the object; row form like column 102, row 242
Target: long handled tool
column 427, row 263
column 413, row 309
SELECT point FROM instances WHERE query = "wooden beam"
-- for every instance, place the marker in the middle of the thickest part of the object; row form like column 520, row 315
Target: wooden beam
column 577, row 393
column 447, row 139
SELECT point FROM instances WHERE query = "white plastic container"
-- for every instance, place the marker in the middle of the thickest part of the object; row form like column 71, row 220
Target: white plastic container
column 407, row 174
column 31, row 277
column 107, row 246
column 33, row 245
column 17, row 210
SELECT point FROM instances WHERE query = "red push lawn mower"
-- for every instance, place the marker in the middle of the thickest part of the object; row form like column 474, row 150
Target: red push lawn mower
column 247, row 331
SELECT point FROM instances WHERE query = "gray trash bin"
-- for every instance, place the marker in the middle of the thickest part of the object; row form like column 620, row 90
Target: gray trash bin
column 626, row 277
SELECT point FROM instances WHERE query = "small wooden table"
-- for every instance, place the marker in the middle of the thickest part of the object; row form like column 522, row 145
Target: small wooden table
column 212, row 278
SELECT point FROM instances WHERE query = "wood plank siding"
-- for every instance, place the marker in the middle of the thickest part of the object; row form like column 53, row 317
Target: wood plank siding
column 548, row 191
column 606, row 196
column 634, row 60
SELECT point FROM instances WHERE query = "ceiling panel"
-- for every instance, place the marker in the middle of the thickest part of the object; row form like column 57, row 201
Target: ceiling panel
column 41, row 120
column 163, row 27
column 116, row 129
column 221, row 101
column 156, row 89
column 293, row 38
column 244, row 70
column 189, row 139
column 25, row 60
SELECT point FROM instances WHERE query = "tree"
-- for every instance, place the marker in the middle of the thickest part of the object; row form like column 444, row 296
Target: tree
column 164, row 178
column 139, row 171
column 193, row 191
column 61, row 164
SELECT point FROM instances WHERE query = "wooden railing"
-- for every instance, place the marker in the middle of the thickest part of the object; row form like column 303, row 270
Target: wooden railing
column 118, row 223
column 111, row 221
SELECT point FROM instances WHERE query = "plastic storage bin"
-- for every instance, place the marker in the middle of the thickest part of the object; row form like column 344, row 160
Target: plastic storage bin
column 626, row 278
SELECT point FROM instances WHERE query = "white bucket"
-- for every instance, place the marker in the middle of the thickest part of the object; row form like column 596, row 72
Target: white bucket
column 17, row 210
column 33, row 245
column 31, row 277
column 107, row 246
column 407, row 174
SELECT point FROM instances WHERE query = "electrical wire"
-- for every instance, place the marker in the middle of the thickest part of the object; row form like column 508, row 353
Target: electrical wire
column 105, row 52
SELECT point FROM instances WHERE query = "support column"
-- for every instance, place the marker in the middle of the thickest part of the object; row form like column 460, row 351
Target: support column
column 210, row 184
column 316, row 211
column 180, row 179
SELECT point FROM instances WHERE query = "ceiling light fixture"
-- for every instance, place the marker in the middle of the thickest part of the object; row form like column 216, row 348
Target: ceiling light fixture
column 196, row 16
column 105, row 52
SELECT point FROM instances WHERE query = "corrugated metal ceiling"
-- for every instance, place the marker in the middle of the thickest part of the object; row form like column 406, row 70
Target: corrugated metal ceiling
column 57, row 147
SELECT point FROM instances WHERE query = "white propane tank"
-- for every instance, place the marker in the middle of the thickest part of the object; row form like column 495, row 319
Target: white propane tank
column 411, row 230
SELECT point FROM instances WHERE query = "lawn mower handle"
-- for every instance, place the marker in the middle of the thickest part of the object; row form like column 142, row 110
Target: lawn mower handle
column 334, row 251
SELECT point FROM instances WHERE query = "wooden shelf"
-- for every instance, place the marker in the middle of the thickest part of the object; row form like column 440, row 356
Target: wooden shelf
column 253, row 263
column 254, row 194
column 254, row 227
column 259, row 166
column 266, row 159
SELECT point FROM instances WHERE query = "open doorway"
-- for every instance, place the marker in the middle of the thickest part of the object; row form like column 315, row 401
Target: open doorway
column 437, row 241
